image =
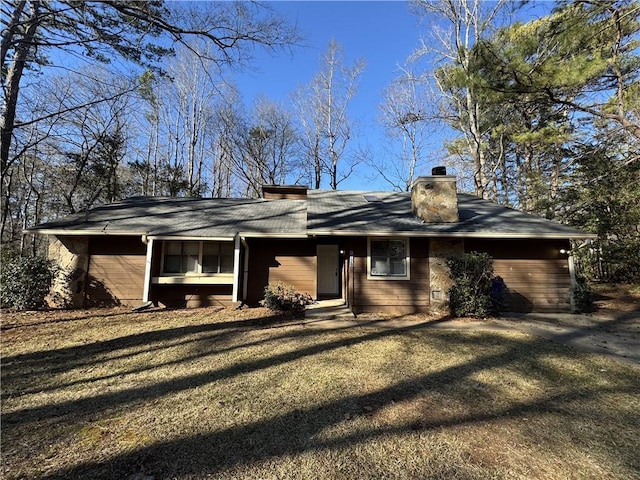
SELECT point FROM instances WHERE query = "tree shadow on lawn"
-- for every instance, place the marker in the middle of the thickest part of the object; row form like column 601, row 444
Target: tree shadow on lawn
column 76, row 409
column 616, row 335
column 16, row 320
column 299, row 431
column 60, row 360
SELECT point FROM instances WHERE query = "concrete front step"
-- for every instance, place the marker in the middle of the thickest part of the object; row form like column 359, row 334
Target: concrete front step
column 328, row 310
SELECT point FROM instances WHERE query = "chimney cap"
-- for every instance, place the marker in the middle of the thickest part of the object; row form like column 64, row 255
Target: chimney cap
column 439, row 170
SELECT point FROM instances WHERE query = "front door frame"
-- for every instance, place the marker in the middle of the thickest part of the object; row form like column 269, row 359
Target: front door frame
column 325, row 259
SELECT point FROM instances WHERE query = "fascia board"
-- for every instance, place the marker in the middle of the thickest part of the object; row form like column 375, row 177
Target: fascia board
column 60, row 232
column 326, row 233
column 272, row 235
column 187, row 238
column 490, row 235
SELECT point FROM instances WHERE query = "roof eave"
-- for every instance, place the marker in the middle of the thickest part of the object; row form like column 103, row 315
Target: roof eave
column 213, row 238
column 273, row 235
column 325, row 233
column 488, row 235
column 71, row 232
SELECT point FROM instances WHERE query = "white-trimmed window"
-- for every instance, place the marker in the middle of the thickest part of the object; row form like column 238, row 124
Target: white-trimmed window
column 388, row 259
column 195, row 257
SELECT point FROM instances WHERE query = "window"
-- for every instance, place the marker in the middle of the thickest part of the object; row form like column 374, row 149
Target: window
column 388, row 259
column 197, row 257
column 217, row 257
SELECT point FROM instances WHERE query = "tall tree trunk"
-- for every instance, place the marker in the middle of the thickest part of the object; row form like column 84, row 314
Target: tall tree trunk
column 317, row 164
column 12, row 81
column 6, row 195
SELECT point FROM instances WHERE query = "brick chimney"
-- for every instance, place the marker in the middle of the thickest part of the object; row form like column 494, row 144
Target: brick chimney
column 434, row 199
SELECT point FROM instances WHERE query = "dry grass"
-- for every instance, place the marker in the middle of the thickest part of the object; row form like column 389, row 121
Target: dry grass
column 617, row 297
column 225, row 394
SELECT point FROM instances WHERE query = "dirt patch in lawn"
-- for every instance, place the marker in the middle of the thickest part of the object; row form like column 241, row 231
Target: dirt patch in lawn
column 615, row 298
column 208, row 393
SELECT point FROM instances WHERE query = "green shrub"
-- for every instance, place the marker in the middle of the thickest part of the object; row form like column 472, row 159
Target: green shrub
column 25, row 282
column 471, row 293
column 281, row 297
column 583, row 296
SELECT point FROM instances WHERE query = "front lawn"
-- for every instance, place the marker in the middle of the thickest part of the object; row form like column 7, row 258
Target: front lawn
column 241, row 394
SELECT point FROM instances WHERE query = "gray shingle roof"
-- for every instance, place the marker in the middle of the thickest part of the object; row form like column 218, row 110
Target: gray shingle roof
column 352, row 211
column 198, row 217
column 325, row 212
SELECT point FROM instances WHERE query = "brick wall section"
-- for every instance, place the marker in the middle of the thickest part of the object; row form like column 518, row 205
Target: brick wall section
column 439, row 280
column 71, row 253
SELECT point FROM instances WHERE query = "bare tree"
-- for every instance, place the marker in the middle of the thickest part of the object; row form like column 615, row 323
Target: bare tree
column 324, row 108
column 310, row 121
column 407, row 116
column 88, row 151
column 60, row 132
column 280, row 162
column 267, row 149
column 458, row 25
column 146, row 165
column 102, row 30
column 225, row 142
column 191, row 94
column 67, row 163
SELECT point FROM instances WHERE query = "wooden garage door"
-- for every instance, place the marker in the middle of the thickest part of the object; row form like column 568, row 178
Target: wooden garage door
column 115, row 279
column 535, row 285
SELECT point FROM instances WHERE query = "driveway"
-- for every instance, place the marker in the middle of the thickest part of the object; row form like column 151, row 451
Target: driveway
column 616, row 335
column 614, row 329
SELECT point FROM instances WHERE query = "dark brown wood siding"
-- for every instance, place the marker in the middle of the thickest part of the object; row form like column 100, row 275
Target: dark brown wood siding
column 181, row 296
column 116, row 270
column 186, row 296
column 535, row 273
column 394, row 296
column 280, row 260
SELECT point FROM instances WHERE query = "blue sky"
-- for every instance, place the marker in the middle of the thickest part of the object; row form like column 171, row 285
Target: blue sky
column 382, row 33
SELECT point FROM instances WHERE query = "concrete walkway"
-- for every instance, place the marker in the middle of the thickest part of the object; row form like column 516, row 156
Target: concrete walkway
column 616, row 334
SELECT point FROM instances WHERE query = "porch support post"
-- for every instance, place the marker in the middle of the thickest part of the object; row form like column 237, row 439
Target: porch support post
column 236, row 268
column 147, row 271
column 245, row 273
column 574, row 283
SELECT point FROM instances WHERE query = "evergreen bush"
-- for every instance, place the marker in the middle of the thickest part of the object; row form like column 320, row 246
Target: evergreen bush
column 583, row 296
column 281, row 297
column 474, row 283
column 25, row 282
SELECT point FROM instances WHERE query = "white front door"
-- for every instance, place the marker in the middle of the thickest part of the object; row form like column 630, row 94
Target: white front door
column 328, row 271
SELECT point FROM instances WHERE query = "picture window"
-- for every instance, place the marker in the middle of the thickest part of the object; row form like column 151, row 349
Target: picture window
column 193, row 257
